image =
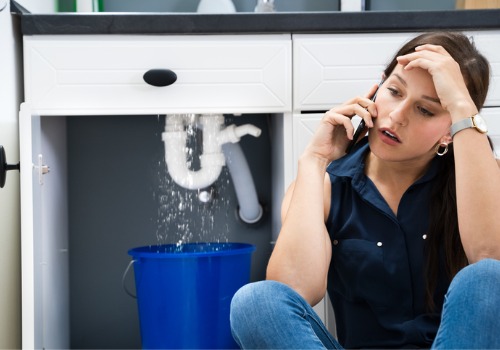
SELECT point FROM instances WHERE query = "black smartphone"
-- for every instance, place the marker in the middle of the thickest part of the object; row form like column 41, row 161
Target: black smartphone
column 360, row 128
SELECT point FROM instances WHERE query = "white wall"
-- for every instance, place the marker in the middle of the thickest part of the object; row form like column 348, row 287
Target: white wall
column 38, row 6
column 10, row 269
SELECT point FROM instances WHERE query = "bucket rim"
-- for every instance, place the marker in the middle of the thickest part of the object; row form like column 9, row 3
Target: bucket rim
column 166, row 251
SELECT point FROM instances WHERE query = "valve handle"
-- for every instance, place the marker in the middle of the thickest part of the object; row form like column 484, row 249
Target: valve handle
column 4, row 167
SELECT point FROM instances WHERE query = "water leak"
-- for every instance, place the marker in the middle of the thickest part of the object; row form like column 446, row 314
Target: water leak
column 181, row 216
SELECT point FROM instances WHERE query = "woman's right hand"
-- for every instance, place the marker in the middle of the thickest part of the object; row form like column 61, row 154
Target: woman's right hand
column 336, row 129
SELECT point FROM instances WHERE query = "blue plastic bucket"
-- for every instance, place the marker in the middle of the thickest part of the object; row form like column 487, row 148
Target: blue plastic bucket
column 184, row 293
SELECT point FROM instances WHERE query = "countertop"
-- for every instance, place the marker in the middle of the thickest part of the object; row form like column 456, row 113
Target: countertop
column 246, row 22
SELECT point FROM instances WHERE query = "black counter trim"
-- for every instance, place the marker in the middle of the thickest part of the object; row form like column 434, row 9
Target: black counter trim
column 249, row 23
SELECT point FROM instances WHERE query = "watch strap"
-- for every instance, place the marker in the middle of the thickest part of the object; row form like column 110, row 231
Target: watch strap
column 461, row 125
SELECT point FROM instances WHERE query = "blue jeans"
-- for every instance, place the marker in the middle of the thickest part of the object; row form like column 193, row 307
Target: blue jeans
column 271, row 315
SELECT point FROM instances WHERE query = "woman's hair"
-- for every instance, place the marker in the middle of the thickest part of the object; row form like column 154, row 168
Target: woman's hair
column 444, row 244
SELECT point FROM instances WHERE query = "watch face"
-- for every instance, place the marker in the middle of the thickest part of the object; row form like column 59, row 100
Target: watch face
column 480, row 124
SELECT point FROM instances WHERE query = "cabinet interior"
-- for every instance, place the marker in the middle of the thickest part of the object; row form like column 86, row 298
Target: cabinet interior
column 102, row 197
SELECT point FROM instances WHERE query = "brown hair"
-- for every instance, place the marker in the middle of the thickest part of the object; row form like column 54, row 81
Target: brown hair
column 443, row 243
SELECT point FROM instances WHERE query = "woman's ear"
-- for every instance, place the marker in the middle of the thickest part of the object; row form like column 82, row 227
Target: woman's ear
column 446, row 138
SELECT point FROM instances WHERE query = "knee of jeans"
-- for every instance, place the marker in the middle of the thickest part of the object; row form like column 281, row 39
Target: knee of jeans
column 258, row 300
column 242, row 298
column 479, row 277
column 484, row 271
column 246, row 306
column 251, row 296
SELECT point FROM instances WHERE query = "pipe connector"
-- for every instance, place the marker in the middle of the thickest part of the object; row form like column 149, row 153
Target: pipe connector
column 233, row 133
column 254, row 218
column 248, row 129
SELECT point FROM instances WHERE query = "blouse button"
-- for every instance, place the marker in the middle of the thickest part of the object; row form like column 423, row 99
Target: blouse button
column 424, row 237
column 379, row 244
column 335, row 242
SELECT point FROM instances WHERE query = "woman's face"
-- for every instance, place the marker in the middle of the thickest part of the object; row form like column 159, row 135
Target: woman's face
column 411, row 120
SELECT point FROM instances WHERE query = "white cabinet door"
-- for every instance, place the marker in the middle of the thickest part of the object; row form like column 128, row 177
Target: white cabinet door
column 104, row 74
column 44, row 236
column 304, row 126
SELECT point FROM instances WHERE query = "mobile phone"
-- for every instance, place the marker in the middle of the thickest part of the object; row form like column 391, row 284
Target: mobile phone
column 360, row 128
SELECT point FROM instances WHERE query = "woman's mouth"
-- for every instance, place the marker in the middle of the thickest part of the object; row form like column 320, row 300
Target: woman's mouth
column 389, row 136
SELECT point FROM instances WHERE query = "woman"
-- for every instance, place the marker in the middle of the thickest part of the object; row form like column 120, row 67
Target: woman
column 387, row 227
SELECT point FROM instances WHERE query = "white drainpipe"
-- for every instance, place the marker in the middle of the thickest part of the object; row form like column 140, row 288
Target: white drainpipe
column 211, row 160
column 249, row 208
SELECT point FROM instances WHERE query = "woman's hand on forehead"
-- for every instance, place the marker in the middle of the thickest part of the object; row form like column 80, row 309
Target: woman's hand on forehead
column 445, row 72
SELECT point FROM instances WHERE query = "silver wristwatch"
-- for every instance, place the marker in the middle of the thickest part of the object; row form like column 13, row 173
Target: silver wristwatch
column 476, row 122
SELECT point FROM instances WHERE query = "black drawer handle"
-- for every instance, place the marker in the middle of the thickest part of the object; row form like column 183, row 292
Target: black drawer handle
column 160, row 77
column 4, row 167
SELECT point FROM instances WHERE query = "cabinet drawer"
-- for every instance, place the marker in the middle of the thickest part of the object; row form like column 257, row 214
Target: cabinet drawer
column 488, row 43
column 88, row 74
column 329, row 69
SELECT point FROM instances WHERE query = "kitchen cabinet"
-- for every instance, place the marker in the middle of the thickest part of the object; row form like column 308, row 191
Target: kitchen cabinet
column 68, row 76
column 82, row 75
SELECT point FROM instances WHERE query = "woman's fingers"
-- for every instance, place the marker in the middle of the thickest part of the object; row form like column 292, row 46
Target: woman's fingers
column 336, row 118
column 336, row 128
column 426, row 57
column 364, row 108
column 434, row 48
column 445, row 71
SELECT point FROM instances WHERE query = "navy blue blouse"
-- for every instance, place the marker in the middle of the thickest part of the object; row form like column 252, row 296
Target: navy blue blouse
column 376, row 279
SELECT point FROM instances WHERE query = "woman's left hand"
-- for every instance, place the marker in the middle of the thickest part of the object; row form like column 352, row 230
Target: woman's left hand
column 447, row 77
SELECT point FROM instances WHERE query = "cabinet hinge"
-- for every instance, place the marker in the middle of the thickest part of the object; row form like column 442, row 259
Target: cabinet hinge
column 41, row 168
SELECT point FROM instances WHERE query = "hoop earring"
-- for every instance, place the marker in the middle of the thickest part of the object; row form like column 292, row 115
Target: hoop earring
column 444, row 146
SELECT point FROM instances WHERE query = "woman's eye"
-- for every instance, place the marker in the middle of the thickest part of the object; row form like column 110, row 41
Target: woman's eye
column 393, row 91
column 425, row 112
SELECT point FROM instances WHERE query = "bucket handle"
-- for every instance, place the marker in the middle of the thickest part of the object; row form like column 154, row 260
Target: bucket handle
column 123, row 279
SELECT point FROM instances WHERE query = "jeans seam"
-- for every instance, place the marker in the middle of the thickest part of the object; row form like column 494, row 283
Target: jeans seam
column 321, row 327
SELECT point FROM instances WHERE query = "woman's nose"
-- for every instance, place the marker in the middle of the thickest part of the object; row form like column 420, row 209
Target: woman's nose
column 399, row 114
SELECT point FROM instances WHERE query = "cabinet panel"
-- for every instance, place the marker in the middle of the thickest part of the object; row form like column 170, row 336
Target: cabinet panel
column 492, row 117
column 488, row 43
column 228, row 74
column 329, row 69
column 304, row 126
